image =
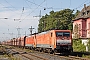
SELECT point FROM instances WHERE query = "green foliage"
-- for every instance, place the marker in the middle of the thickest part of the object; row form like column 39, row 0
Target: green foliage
column 77, row 12
column 78, row 46
column 57, row 20
column 88, row 45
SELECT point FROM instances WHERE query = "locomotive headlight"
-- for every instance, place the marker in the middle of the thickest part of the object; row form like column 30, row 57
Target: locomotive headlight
column 58, row 43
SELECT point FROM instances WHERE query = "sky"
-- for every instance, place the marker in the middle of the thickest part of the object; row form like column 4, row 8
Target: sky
column 17, row 16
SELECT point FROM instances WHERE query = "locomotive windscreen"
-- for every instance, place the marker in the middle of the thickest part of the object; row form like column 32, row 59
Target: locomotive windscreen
column 63, row 34
column 63, row 38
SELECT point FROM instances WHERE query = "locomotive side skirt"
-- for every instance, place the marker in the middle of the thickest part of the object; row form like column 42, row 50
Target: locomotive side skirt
column 29, row 45
column 45, row 45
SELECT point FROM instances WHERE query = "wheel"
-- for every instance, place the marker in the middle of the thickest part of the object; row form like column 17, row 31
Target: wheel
column 54, row 52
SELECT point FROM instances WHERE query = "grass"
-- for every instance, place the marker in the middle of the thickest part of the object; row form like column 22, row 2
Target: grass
column 11, row 57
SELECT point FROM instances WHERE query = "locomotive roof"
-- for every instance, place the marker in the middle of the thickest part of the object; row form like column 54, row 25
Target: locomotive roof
column 44, row 32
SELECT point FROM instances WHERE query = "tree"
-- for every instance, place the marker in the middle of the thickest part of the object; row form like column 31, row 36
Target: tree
column 77, row 12
column 57, row 20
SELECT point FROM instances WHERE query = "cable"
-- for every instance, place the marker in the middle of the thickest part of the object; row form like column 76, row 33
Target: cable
column 46, row 3
column 6, row 25
column 80, row 5
column 9, row 4
column 70, row 4
column 28, row 4
column 35, row 3
column 14, row 8
column 35, row 9
column 22, row 13
column 8, row 8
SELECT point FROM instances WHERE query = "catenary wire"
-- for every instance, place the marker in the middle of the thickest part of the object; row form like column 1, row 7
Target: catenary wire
column 80, row 5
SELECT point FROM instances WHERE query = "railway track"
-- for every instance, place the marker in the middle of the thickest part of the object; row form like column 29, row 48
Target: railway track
column 35, row 55
column 59, row 57
column 28, row 55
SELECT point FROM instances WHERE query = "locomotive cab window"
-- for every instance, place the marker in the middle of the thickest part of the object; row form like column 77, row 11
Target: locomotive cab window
column 62, row 34
column 66, row 34
column 59, row 34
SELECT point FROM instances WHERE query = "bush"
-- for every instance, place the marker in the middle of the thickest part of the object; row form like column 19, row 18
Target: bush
column 89, row 45
column 78, row 46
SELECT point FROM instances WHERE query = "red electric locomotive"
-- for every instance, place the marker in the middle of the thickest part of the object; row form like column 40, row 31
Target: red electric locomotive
column 55, row 41
column 50, row 41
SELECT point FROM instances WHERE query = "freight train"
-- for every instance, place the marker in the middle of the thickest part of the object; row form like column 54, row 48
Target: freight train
column 51, row 41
